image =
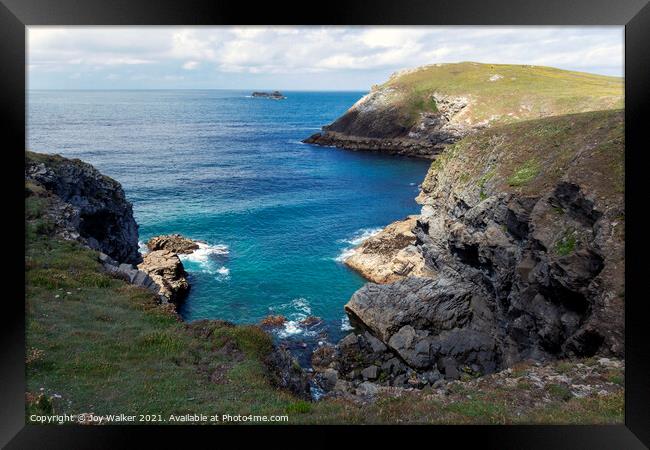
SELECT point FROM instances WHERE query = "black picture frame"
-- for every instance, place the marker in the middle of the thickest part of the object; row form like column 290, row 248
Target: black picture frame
column 15, row 15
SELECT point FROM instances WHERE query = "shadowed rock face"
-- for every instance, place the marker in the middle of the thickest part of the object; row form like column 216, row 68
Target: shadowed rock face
column 417, row 112
column 521, row 267
column 86, row 205
column 377, row 123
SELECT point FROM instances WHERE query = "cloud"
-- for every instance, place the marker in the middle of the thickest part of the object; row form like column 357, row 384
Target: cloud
column 303, row 56
column 190, row 65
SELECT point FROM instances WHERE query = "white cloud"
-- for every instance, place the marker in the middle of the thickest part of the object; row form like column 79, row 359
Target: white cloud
column 296, row 53
column 190, row 65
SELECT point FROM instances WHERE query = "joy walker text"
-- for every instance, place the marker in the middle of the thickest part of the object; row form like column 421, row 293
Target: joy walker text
column 178, row 418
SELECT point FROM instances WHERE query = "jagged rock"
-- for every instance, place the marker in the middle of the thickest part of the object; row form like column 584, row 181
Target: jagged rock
column 172, row 242
column 310, row 321
column 166, row 270
column 324, row 357
column 530, row 269
column 389, row 255
column 376, row 345
column 128, row 273
column 85, row 205
column 370, row 373
column 328, row 379
column 286, row 373
column 273, row 321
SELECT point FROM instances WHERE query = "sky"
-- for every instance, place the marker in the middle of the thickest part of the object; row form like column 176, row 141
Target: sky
column 296, row 58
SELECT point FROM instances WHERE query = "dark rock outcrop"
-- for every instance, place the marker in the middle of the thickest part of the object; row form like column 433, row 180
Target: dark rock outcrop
column 128, row 273
column 527, row 263
column 285, row 373
column 86, row 206
column 381, row 122
column 275, row 95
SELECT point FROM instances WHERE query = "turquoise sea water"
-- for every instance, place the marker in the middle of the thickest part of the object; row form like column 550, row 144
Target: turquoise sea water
column 276, row 215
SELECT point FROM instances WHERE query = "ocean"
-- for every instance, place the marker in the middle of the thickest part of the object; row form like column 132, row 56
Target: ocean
column 276, row 215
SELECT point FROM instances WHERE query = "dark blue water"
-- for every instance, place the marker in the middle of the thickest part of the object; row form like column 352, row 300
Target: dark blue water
column 230, row 170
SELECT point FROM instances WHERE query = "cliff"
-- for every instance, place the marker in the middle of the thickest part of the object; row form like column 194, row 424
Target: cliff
column 84, row 205
column 522, row 229
column 419, row 111
column 98, row 339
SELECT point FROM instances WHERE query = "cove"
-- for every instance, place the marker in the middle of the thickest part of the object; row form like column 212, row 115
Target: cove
column 276, row 215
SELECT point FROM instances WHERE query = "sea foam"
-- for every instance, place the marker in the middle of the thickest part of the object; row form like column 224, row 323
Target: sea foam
column 208, row 259
column 358, row 238
column 295, row 311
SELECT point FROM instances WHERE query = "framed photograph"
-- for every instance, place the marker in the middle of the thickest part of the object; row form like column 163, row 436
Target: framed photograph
column 414, row 217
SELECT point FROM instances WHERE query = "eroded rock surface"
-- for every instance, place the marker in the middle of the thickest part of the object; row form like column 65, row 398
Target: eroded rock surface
column 166, row 270
column 174, row 243
column 389, row 255
column 85, row 205
column 524, row 237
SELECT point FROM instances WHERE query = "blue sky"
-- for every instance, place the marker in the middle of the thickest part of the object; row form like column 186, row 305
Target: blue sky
column 296, row 58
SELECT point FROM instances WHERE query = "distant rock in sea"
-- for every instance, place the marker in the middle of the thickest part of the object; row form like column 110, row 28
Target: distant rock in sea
column 275, row 95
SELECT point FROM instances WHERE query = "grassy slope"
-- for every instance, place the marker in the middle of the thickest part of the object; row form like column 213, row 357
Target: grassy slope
column 532, row 156
column 524, row 92
column 103, row 346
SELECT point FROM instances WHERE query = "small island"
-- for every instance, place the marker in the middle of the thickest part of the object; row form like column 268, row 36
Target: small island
column 275, row 95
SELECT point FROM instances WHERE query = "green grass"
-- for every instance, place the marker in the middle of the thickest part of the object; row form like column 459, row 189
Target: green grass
column 524, row 92
column 560, row 392
column 97, row 344
column 299, row 407
column 525, row 174
column 566, row 245
column 531, row 157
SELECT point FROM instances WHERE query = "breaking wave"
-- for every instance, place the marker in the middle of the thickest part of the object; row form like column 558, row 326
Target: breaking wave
column 358, row 238
column 208, row 259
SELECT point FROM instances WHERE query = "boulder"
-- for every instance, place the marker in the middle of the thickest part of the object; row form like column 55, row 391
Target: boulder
column 285, row 372
column 166, row 270
column 174, row 243
column 370, row 373
column 389, row 255
column 273, row 321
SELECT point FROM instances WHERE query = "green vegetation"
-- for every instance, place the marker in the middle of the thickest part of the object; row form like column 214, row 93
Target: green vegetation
column 566, row 245
column 525, row 173
column 96, row 344
column 560, row 391
column 481, row 183
column 531, row 157
column 299, row 407
column 506, row 93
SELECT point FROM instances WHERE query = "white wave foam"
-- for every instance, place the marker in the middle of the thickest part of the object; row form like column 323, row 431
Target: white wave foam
column 362, row 235
column 142, row 248
column 345, row 254
column 295, row 311
column 209, row 258
column 345, row 324
column 358, row 238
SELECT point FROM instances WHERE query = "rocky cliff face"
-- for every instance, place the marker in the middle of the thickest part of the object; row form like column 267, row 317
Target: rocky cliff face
column 86, row 205
column 522, row 228
column 378, row 122
column 418, row 112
